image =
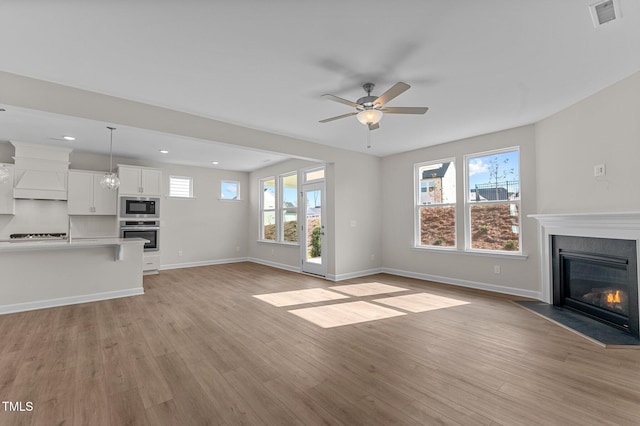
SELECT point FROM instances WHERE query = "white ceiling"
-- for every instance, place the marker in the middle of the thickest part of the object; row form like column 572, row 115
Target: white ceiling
column 480, row 66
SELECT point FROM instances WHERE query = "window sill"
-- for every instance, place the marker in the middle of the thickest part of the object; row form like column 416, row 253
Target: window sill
column 500, row 255
column 180, row 198
column 280, row 243
column 231, row 200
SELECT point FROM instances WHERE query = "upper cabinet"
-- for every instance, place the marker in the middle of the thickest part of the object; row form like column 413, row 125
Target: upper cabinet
column 141, row 181
column 87, row 197
column 6, row 193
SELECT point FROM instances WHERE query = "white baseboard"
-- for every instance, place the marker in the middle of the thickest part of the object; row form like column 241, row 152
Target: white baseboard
column 356, row 274
column 465, row 283
column 73, row 300
column 275, row 264
column 203, row 263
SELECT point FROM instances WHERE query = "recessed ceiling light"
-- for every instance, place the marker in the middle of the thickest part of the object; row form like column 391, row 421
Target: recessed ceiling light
column 215, row 163
column 68, row 138
column 164, row 151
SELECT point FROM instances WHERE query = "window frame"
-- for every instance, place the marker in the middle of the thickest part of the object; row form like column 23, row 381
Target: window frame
column 279, row 208
column 306, row 173
column 187, row 178
column 468, row 204
column 263, row 210
column 418, row 206
column 238, row 193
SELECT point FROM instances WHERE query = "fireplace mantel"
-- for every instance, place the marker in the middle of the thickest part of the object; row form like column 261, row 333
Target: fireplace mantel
column 620, row 225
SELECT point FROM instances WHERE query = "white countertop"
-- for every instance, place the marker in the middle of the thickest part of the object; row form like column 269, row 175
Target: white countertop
column 55, row 244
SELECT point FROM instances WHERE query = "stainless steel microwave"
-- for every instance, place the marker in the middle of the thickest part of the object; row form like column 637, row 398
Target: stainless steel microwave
column 139, row 207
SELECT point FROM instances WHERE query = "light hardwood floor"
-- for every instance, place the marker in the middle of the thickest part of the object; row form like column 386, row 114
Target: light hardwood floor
column 198, row 349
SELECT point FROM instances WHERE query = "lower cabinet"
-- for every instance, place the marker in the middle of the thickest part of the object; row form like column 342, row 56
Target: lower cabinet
column 151, row 263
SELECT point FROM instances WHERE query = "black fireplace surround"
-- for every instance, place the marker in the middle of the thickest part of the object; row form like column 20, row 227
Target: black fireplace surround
column 597, row 277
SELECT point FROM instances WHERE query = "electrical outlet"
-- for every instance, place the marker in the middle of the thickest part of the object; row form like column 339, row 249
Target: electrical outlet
column 599, row 170
column 238, row 248
column 496, row 269
column 179, row 252
column 373, row 256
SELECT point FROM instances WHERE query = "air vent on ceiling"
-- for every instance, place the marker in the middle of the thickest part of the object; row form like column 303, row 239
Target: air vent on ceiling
column 604, row 12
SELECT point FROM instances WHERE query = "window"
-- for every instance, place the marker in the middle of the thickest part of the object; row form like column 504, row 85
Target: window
column 268, row 209
column 313, row 175
column 279, row 208
column 229, row 190
column 289, row 207
column 493, row 201
column 180, row 186
column 435, row 213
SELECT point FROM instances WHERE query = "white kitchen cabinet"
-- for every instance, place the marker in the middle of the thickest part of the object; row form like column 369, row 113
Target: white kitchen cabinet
column 87, row 197
column 6, row 193
column 150, row 263
column 141, row 181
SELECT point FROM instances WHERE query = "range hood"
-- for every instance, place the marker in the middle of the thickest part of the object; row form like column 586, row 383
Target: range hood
column 40, row 171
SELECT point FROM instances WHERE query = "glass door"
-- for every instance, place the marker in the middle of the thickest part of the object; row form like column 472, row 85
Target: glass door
column 313, row 229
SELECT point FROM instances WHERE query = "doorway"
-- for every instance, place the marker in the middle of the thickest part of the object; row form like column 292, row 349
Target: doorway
column 313, row 247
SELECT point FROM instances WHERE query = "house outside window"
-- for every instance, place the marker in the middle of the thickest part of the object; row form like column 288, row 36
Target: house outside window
column 493, row 201
column 435, row 210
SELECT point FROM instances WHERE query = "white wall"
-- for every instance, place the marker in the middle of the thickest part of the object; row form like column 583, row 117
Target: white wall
column 204, row 228
column 285, row 256
column 348, row 172
column 517, row 276
column 602, row 129
column 356, row 180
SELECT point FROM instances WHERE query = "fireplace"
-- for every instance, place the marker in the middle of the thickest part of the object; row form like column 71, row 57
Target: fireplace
column 597, row 277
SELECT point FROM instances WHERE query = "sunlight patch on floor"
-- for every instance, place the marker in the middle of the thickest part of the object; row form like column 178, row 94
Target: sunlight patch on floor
column 345, row 313
column 420, row 302
column 299, row 297
column 367, row 289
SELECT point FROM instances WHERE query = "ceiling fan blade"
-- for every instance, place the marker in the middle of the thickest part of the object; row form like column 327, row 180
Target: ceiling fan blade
column 326, row 120
column 341, row 100
column 395, row 90
column 374, row 126
column 404, row 110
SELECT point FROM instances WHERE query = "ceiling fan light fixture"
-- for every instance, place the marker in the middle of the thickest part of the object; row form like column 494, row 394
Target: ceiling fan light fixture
column 369, row 116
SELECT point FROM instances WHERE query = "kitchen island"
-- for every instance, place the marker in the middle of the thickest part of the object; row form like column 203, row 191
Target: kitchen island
column 47, row 273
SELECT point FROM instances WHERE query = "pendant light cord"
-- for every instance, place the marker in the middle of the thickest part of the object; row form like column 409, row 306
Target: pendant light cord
column 111, row 150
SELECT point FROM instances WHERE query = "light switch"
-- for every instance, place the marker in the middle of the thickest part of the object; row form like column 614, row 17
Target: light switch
column 599, row 170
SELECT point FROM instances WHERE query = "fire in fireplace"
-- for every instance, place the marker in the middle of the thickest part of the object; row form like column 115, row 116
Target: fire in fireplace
column 597, row 277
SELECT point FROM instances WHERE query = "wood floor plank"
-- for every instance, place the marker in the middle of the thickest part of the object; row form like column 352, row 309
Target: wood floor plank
column 198, row 348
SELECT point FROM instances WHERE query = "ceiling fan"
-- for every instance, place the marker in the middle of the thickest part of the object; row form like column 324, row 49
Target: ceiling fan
column 370, row 109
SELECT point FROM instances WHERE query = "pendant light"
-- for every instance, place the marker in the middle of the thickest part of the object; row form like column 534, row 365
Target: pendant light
column 110, row 180
column 4, row 174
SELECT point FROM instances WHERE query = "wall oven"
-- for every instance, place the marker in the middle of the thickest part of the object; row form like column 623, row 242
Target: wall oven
column 139, row 207
column 147, row 229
